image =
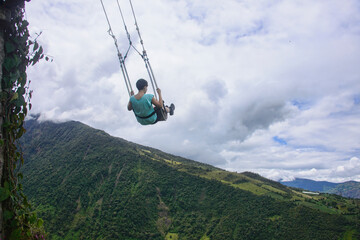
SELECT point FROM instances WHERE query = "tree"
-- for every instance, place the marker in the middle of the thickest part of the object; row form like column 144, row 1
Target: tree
column 4, row 19
column 16, row 219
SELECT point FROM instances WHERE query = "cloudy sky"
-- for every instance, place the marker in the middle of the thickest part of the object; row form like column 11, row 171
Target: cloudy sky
column 269, row 86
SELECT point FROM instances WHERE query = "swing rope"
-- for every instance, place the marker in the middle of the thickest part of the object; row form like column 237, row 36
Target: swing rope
column 143, row 55
column 121, row 59
column 126, row 30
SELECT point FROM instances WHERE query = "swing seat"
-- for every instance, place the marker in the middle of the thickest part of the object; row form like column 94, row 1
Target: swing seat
column 161, row 113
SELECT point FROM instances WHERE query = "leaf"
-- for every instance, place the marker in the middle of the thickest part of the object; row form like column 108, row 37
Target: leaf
column 20, row 176
column 25, row 109
column 10, row 63
column 17, row 110
column 20, row 101
column 36, row 46
column 36, row 58
column 16, row 234
column 14, row 97
column 3, row 96
column 22, row 79
column 22, row 118
column 9, row 47
column 25, row 23
column 8, row 215
column 40, row 222
column 19, row 135
column 21, row 91
column 32, row 219
column 4, row 193
column 14, row 76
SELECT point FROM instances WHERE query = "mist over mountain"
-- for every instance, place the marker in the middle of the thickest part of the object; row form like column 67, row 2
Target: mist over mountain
column 87, row 184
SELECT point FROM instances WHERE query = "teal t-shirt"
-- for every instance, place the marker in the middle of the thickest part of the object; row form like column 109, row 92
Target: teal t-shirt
column 143, row 107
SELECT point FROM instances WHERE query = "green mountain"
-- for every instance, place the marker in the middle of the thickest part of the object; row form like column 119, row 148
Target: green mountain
column 349, row 189
column 86, row 184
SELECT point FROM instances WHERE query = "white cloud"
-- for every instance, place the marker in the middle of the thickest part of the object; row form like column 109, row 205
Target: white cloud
column 347, row 171
column 241, row 74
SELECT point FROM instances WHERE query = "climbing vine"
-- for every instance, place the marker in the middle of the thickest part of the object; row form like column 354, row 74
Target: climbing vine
column 20, row 52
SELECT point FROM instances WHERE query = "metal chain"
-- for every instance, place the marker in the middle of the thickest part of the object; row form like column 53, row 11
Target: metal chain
column 121, row 59
column 143, row 55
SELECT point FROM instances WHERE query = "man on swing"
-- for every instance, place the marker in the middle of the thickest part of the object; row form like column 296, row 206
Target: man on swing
column 142, row 105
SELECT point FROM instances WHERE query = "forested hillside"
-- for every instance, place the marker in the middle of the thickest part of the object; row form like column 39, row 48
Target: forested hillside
column 86, row 184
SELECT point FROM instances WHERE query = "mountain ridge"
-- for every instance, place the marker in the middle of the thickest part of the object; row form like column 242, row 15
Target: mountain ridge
column 89, row 185
column 350, row 189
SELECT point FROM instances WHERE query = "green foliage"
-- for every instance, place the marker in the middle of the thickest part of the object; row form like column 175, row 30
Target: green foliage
column 20, row 222
column 5, row 192
column 350, row 235
column 88, row 185
column 172, row 236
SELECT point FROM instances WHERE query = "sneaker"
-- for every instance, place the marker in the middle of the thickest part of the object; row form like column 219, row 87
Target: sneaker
column 172, row 108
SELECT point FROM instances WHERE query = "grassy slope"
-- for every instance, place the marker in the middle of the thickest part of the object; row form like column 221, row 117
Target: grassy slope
column 261, row 186
column 88, row 185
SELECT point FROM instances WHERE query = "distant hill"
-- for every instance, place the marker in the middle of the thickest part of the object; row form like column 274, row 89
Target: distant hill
column 348, row 189
column 86, row 184
column 311, row 185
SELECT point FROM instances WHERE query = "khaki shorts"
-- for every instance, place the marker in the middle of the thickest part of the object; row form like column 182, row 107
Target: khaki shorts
column 161, row 114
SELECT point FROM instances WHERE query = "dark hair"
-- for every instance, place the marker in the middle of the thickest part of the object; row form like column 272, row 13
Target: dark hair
column 141, row 83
